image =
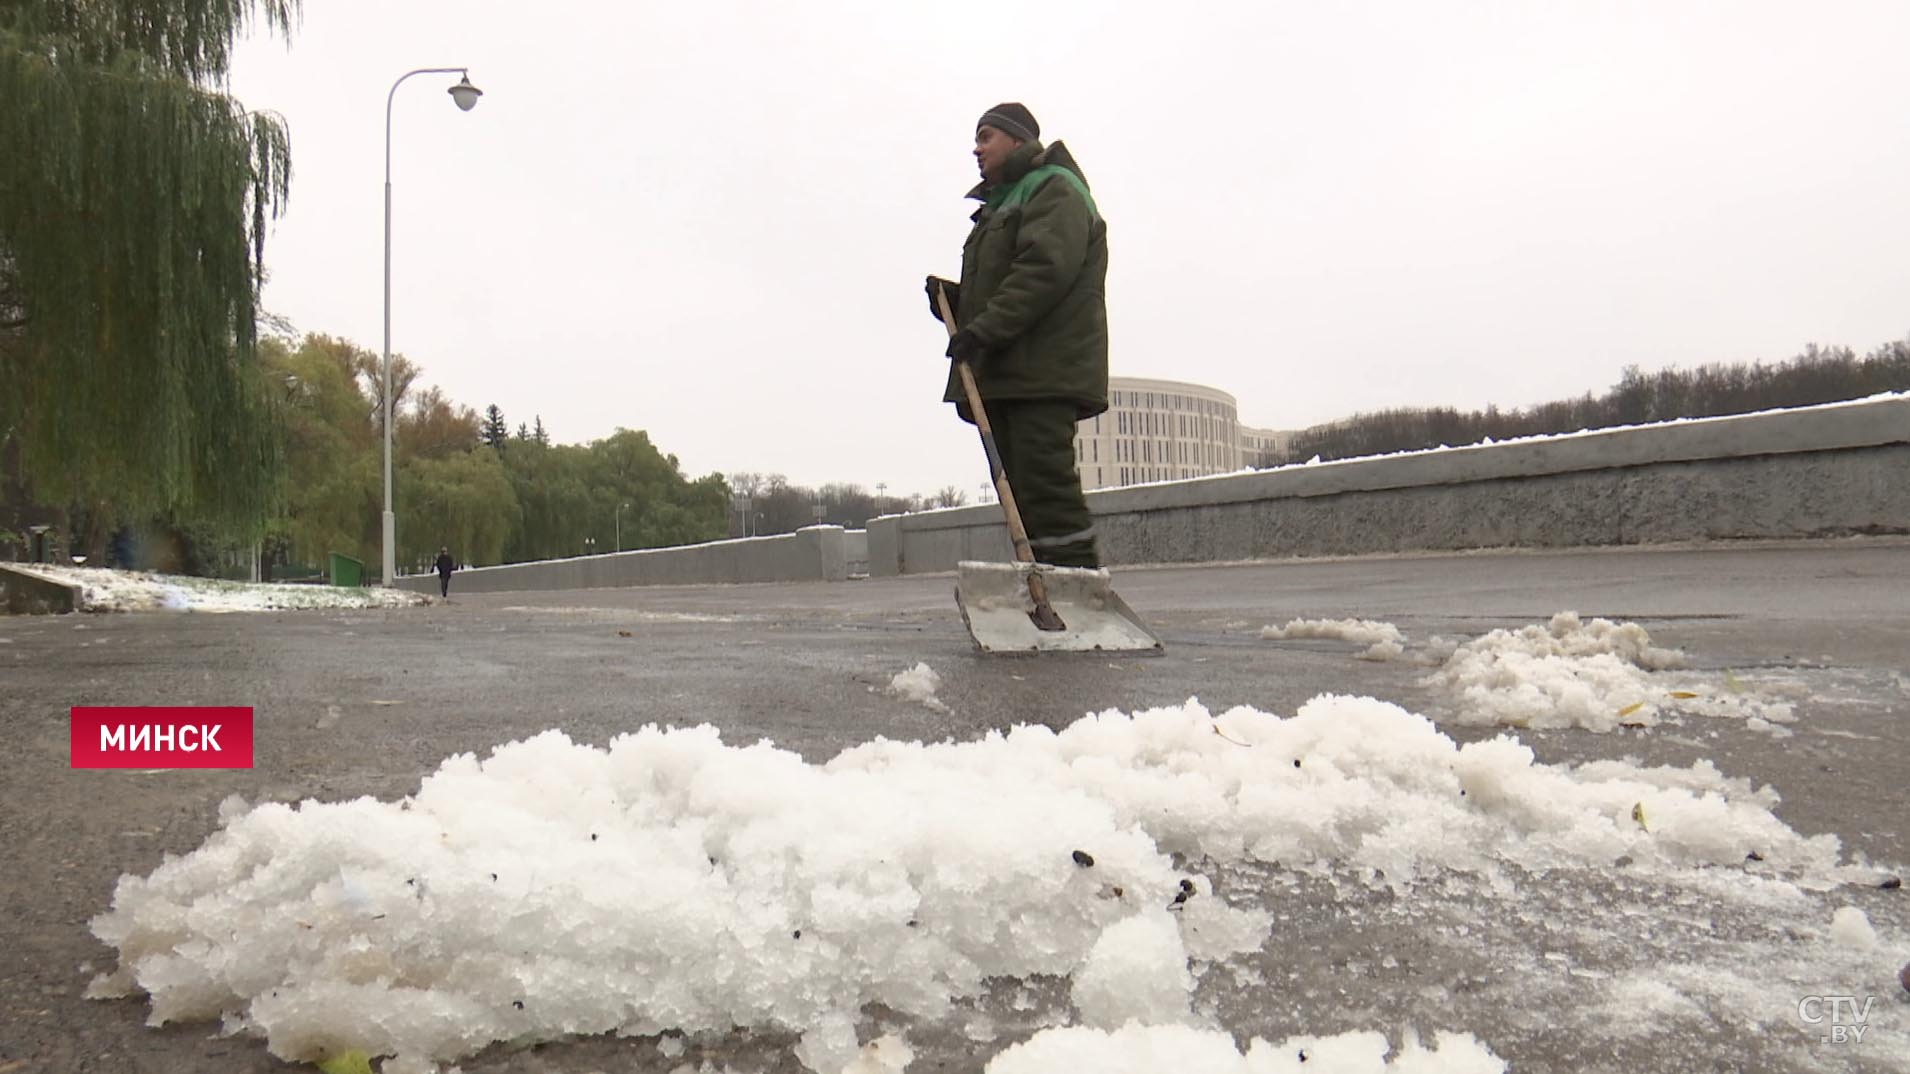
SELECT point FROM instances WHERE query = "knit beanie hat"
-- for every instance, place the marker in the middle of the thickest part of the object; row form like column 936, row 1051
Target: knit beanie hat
column 1012, row 119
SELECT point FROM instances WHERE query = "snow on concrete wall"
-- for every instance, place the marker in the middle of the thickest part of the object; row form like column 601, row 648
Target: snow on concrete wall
column 1808, row 472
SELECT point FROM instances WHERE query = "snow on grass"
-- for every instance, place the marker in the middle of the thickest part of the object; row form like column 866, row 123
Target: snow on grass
column 918, row 684
column 673, row 882
column 104, row 590
column 1383, row 640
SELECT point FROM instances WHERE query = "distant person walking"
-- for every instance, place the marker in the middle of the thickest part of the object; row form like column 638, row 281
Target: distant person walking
column 445, row 566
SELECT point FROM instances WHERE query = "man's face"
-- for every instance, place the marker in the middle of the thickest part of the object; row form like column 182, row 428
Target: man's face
column 992, row 149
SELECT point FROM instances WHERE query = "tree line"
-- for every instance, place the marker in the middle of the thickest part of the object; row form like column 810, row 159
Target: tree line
column 1818, row 375
column 465, row 481
column 460, row 481
column 768, row 504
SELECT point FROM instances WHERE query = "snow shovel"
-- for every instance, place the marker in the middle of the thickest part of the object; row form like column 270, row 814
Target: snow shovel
column 1025, row 606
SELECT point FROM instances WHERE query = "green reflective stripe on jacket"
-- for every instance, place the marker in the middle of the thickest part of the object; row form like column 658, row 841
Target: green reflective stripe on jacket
column 1025, row 186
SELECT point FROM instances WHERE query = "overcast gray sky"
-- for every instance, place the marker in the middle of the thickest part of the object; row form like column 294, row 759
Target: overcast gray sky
column 711, row 220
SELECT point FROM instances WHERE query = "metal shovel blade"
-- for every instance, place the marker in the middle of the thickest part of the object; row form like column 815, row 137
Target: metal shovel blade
column 995, row 604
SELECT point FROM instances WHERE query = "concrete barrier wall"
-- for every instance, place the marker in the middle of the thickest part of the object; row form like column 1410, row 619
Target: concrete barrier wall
column 1816, row 471
column 1838, row 469
column 23, row 593
column 818, row 553
column 855, row 552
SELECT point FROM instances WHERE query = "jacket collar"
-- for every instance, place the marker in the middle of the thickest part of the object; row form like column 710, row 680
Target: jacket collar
column 1030, row 156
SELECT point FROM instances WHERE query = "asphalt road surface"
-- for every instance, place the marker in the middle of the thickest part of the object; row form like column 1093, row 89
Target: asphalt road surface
column 355, row 703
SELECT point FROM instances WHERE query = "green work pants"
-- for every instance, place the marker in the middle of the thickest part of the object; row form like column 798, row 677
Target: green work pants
column 1035, row 439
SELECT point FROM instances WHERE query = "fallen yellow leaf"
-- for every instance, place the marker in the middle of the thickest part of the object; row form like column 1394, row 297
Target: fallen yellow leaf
column 1683, row 695
column 1631, row 708
column 1638, row 814
column 352, row 1062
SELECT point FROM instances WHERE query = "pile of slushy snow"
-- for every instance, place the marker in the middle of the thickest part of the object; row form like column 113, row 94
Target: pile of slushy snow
column 671, row 881
column 919, row 684
column 1383, row 640
column 1596, row 675
column 104, row 590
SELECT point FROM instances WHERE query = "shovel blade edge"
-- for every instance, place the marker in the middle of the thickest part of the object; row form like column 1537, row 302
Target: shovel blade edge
column 995, row 605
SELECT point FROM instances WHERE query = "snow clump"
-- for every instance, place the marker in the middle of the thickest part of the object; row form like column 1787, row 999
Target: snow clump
column 1383, row 640
column 919, row 684
column 1850, row 927
column 1598, row 676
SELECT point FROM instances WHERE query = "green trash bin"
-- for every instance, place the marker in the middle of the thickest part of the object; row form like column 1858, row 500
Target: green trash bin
column 347, row 571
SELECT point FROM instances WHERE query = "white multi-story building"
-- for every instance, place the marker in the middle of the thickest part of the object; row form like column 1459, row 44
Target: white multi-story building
column 1264, row 449
column 1158, row 430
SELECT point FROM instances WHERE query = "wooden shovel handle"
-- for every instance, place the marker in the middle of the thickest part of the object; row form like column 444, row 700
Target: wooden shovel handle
column 1017, row 533
column 1044, row 614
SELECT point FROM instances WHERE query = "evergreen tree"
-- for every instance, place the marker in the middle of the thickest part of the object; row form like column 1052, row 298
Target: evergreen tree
column 495, row 431
column 537, row 432
column 134, row 198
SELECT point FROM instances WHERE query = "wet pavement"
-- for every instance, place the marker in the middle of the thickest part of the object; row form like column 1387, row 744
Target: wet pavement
column 353, row 703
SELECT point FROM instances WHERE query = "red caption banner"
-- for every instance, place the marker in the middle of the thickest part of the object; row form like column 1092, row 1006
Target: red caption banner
column 131, row 736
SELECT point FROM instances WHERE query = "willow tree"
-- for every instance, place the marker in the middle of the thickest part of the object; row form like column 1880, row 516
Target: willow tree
column 134, row 198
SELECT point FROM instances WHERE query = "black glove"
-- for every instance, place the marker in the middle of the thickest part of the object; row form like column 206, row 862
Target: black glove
column 954, row 295
column 966, row 346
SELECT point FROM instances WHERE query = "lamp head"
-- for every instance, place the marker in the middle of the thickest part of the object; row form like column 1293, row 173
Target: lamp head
column 465, row 94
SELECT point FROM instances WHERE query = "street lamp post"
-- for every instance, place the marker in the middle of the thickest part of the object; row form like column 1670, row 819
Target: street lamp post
column 466, row 96
column 619, row 515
